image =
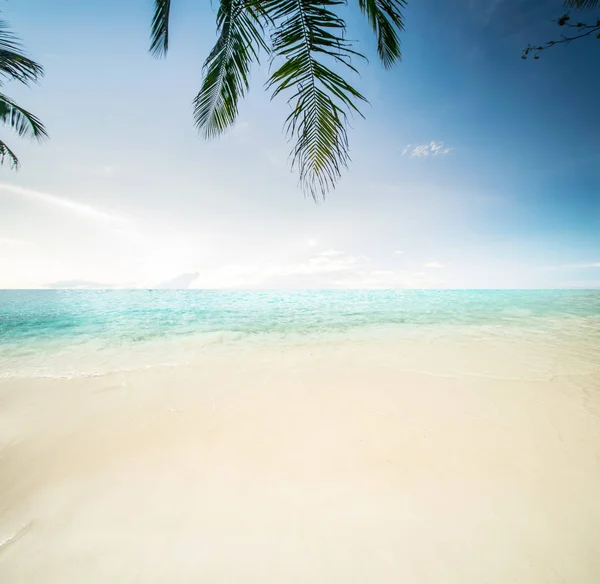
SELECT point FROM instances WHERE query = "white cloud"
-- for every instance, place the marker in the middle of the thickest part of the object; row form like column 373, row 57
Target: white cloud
column 433, row 265
column 580, row 266
column 77, row 285
column 324, row 262
column 582, row 284
column 434, row 148
column 69, row 205
column 179, row 282
column 331, row 253
column 328, row 269
column 399, row 252
column 311, row 242
column 15, row 243
column 103, row 171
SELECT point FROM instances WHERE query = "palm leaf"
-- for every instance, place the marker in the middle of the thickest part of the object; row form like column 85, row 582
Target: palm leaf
column 13, row 62
column 20, row 120
column 159, row 35
column 386, row 20
column 6, row 152
column 227, row 68
column 583, row 4
column 307, row 33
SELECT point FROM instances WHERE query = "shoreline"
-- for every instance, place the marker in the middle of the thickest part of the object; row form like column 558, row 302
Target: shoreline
column 97, row 357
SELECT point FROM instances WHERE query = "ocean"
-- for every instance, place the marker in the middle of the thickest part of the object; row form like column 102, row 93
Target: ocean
column 74, row 332
column 322, row 436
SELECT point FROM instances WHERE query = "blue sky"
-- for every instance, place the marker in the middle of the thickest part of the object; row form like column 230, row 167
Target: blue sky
column 473, row 167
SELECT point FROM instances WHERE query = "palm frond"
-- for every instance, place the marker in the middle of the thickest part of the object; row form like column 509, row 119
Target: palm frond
column 583, row 4
column 227, row 68
column 20, row 120
column 385, row 17
column 13, row 62
column 159, row 35
column 6, row 152
column 321, row 98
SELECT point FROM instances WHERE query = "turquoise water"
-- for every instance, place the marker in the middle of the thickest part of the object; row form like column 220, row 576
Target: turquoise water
column 35, row 325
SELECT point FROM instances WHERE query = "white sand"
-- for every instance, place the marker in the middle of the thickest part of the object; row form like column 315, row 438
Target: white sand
column 392, row 462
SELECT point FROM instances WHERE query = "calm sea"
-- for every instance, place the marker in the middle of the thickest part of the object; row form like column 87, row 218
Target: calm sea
column 40, row 330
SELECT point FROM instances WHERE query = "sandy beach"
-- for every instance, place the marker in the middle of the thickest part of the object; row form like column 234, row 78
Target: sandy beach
column 416, row 461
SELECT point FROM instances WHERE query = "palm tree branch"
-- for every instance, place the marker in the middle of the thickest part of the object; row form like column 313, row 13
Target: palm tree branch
column 13, row 62
column 583, row 4
column 159, row 32
column 20, row 120
column 6, row 152
column 386, row 20
column 308, row 31
column 227, row 68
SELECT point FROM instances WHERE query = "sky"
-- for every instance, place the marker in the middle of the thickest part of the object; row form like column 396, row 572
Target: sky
column 472, row 168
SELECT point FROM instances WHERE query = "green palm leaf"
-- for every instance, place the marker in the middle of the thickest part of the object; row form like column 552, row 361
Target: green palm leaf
column 20, row 120
column 6, row 152
column 227, row 68
column 386, row 19
column 584, row 4
column 308, row 32
column 159, row 35
column 308, row 38
column 13, row 62
column 15, row 65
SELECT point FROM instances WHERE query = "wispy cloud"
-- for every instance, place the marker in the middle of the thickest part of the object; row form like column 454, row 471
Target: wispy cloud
column 578, row 266
column 81, row 209
column 582, row 284
column 15, row 243
column 179, row 282
column 104, row 171
column 433, row 265
column 434, row 148
column 327, row 269
column 77, row 284
column 399, row 252
column 331, row 253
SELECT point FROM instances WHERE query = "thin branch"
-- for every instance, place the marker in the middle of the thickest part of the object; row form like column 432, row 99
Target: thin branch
column 587, row 30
